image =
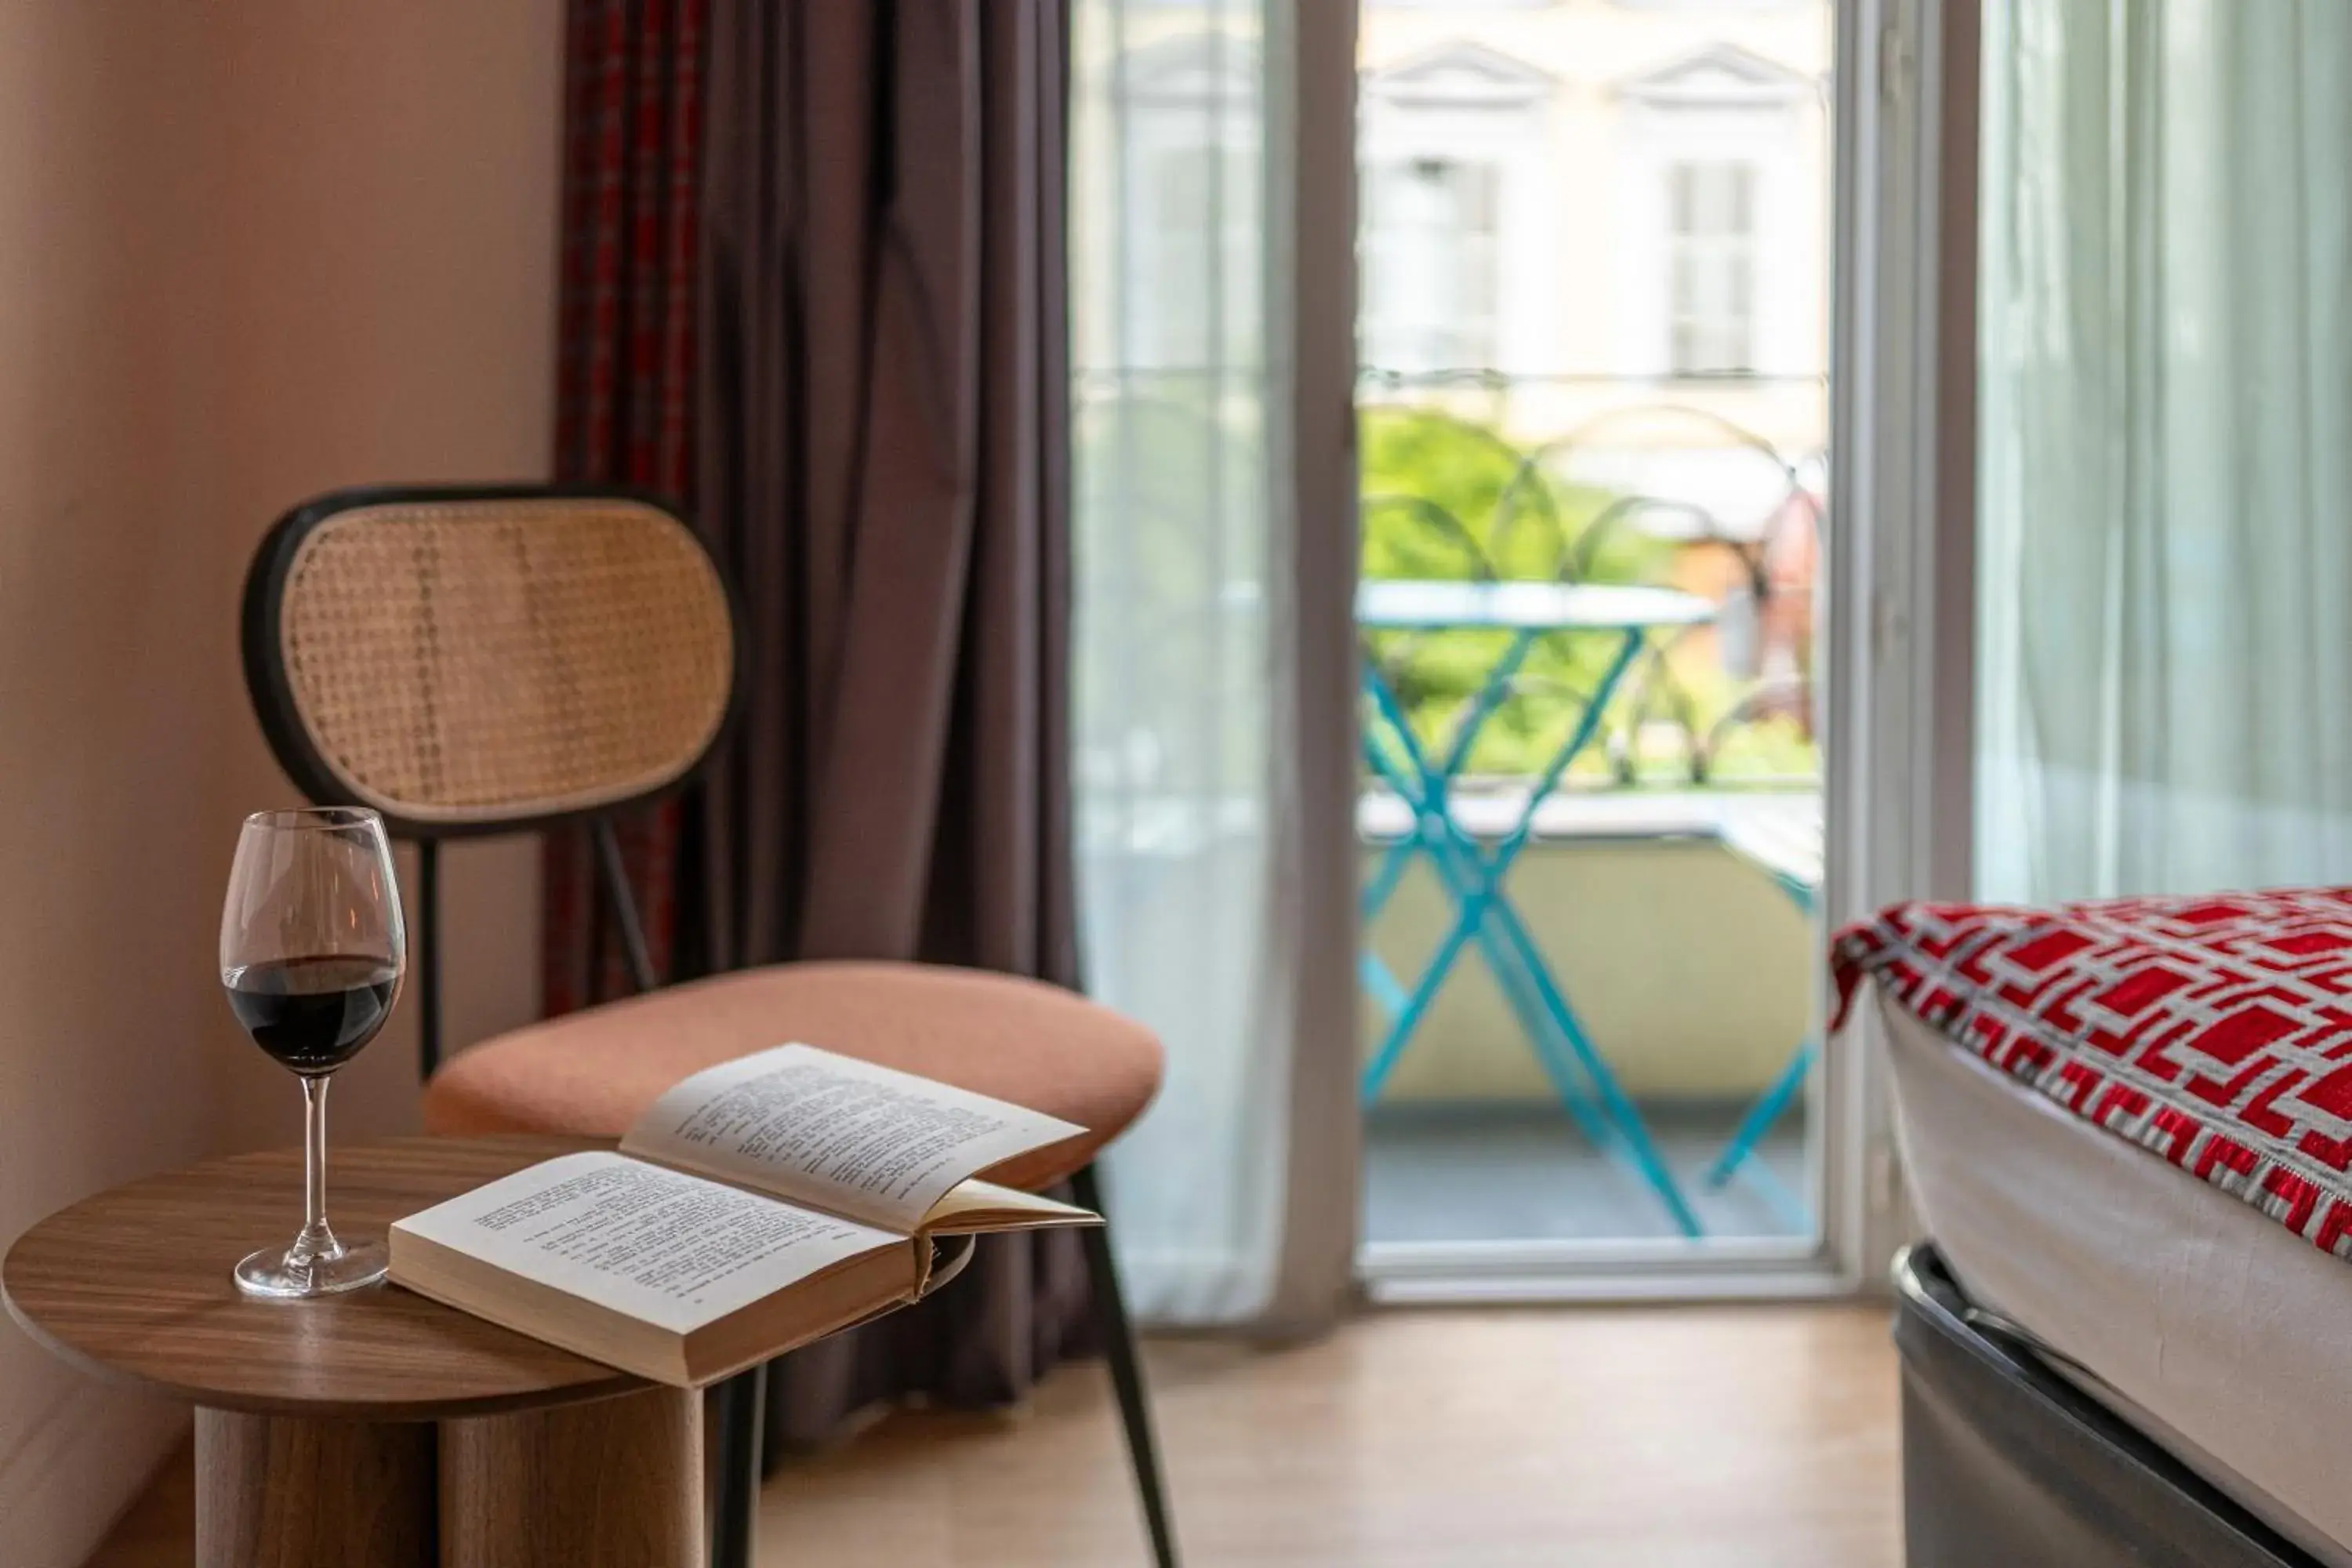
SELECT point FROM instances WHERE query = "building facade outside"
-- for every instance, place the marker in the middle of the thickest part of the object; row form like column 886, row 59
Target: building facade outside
column 1598, row 229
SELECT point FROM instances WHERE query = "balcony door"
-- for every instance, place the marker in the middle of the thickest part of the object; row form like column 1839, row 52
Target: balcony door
column 1593, row 658
column 1596, row 247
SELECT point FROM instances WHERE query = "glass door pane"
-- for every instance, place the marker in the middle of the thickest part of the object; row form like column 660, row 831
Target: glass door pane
column 1171, row 211
column 1595, row 253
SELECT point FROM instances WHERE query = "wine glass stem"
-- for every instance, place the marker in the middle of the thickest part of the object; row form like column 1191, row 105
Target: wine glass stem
column 316, row 1237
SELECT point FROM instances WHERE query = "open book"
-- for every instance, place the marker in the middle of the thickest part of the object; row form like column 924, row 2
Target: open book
column 758, row 1205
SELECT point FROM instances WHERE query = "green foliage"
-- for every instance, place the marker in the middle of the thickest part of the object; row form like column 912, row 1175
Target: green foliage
column 1168, row 536
column 1441, row 493
column 1172, row 484
column 1447, row 498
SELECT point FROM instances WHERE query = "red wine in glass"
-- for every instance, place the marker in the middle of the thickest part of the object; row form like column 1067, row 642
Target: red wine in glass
column 313, row 1014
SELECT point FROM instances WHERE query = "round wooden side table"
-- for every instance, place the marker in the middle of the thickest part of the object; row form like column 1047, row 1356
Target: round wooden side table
column 373, row 1430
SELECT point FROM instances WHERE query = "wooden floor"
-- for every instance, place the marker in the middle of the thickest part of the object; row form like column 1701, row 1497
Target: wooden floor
column 1713, row 1438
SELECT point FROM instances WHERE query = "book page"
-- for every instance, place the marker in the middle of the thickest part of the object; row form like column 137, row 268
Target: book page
column 667, row 1248
column 975, row 1205
column 864, row 1140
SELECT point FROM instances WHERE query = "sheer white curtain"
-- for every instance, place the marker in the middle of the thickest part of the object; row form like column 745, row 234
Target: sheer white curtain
column 1189, row 655
column 2165, row 553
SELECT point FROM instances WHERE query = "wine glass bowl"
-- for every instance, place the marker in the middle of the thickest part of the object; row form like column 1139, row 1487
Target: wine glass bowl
column 312, row 1014
column 313, row 952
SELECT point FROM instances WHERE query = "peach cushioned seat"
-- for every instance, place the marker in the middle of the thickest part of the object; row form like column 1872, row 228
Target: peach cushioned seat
column 590, row 1073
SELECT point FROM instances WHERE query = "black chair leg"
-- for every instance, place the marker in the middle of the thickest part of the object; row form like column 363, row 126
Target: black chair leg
column 1125, row 1372
column 735, row 1509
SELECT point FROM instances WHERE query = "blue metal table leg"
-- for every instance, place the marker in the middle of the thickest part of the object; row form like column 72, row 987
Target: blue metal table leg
column 1425, row 791
column 1392, row 996
column 1417, row 1001
column 1422, row 785
column 1406, row 1012
column 1476, row 884
column 1492, row 692
column 1382, row 884
column 1393, row 1000
column 1461, row 867
column 1514, row 974
column 1761, row 1116
column 1376, row 979
column 1776, row 1100
column 1618, row 1108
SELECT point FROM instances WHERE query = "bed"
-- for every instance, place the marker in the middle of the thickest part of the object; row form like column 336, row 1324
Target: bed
column 2130, row 1340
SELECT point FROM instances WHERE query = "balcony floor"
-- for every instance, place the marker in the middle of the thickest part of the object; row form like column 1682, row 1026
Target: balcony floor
column 1524, row 1172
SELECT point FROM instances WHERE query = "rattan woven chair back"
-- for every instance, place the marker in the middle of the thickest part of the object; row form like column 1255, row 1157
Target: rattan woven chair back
column 477, row 660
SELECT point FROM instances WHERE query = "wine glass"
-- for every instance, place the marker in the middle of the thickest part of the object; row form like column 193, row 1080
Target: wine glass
column 312, row 950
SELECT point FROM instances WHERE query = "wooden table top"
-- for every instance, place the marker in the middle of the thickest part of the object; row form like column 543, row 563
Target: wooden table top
column 132, row 1285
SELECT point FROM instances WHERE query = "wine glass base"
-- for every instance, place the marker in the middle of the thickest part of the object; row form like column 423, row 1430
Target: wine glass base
column 271, row 1272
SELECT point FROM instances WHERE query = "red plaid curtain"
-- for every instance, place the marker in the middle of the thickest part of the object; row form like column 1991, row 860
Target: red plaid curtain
column 625, row 367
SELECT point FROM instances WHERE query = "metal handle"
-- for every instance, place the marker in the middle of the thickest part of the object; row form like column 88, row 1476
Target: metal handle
column 2023, row 1337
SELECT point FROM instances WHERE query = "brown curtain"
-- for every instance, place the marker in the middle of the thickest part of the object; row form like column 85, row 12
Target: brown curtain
column 882, row 468
column 624, row 387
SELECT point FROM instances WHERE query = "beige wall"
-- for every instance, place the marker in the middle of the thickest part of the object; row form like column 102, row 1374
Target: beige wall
column 108, row 708
column 245, row 253
column 394, row 212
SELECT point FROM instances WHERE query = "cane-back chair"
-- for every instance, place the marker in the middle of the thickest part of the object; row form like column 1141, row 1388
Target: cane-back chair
column 487, row 660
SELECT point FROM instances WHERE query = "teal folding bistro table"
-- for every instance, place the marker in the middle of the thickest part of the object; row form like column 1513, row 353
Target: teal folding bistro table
column 1472, row 873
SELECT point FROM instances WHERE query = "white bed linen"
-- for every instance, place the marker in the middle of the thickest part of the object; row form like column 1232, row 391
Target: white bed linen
column 2208, row 1325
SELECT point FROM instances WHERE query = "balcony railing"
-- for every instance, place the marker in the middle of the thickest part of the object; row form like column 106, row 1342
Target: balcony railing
column 1712, row 484
column 1709, row 484
column 1701, row 483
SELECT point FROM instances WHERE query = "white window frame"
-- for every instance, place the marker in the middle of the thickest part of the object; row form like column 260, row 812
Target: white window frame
column 1902, row 563
column 1479, row 345
column 1169, row 86
column 1502, row 122
column 1701, row 248
column 1761, row 126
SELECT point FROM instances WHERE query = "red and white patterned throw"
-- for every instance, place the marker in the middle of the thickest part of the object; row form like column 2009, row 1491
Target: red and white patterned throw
column 2215, row 1031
